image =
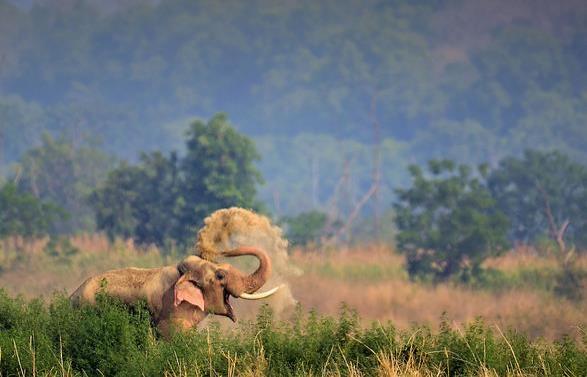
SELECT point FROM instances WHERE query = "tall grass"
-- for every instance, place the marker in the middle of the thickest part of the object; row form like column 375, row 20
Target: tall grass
column 42, row 266
column 39, row 339
column 517, row 292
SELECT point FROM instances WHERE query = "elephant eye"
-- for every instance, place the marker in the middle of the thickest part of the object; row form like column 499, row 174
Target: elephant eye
column 220, row 275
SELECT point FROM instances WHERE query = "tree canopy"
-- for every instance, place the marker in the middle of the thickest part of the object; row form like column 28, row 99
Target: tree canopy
column 447, row 221
column 286, row 69
column 165, row 198
column 24, row 215
column 539, row 192
column 61, row 173
column 317, row 85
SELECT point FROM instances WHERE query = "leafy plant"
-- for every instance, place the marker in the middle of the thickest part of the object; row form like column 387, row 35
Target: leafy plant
column 164, row 199
column 305, row 229
column 59, row 172
column 24, row 215
column 111, row 339
column 539, row 192
column 448, row 223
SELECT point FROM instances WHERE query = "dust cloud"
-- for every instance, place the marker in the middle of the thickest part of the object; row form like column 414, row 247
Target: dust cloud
column 226, row 229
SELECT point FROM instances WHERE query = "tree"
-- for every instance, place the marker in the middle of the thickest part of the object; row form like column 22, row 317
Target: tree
column 23, row 214
column 140, row 201
column 539, row 192
column 306, row 228
column 448, row 223
column 167, row 198
column 217, row 171
column 63, row 174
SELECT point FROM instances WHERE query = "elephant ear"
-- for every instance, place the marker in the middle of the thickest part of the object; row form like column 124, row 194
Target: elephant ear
column 185, row 290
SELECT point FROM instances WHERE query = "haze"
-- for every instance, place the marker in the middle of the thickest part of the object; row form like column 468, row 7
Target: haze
column 472, row 81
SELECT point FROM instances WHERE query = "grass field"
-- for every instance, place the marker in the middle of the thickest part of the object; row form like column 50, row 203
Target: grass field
column 511, row 323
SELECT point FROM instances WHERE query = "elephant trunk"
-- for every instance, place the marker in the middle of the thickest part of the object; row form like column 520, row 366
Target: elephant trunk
column 251, row 283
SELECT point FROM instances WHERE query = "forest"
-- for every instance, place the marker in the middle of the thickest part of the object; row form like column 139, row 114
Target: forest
column 315, row 84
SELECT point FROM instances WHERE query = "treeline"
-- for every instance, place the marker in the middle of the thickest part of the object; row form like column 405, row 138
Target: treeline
column 60, row 189
column 164, row 197
column 126, row 75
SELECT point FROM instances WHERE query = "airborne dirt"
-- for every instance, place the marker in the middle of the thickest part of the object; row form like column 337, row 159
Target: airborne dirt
column 229, row 228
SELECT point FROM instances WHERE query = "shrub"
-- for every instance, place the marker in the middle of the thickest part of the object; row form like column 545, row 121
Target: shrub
column 539, row 190
column 306, row 229
column 22, row 214
column 162, row 200
column 109, row 339
column 448, row 223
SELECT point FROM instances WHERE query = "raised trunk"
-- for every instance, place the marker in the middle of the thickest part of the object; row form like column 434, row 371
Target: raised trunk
column 251, row 283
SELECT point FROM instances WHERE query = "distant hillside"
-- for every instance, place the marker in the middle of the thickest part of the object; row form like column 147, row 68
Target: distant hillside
column 471, row 80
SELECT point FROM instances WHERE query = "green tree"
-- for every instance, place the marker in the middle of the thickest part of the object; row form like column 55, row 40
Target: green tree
column 140, row 201
column 60, row 173
column 306, row 228
column 23, row 214
column 217, row 171
column 167, row 198
column 447, row 222
column 539, row 192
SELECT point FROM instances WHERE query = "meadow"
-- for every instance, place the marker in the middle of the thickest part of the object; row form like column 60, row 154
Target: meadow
column 357, row 313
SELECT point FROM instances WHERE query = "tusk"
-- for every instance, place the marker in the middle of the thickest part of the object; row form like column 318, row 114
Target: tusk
column 258, row 296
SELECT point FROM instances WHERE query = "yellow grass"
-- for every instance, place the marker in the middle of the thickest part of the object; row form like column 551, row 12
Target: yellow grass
column 395, row 298
column 370, row 279
column 25, row 268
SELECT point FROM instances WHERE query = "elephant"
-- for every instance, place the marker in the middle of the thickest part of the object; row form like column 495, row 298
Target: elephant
column 180, row 296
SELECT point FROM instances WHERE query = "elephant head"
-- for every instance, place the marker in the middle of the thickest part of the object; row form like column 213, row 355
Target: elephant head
column 208, row 286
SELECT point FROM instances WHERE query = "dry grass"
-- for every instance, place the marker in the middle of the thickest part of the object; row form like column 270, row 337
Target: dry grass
column 344, row 276
column 26, row 269
column 528, row 257
column 407, row 303
column 370, row 279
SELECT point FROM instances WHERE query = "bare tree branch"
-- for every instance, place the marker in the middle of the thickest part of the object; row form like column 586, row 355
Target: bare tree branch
column 560, row 236
column 556, row 233
column 357, row 209
column 332, row 214
column 552, row 228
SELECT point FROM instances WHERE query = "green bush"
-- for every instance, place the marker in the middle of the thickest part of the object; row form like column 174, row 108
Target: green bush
column 447, row 221
column 531, row 278
column 110, row 339
column 23, row 214
column 306, row 229
column 163, row 200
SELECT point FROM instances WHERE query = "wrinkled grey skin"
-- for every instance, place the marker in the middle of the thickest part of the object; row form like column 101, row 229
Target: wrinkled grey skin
column 158, row 287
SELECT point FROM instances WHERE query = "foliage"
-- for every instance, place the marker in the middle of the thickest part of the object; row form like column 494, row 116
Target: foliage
column 20, row 123
column 59, row 172
column 110, row 340
column 140, row 201
column 306, row 228
column 166, row 198
column 528, row 188
column 448, row 223
column 61, row 247
column 24, row 215
column 218, row 171
column 125, row 73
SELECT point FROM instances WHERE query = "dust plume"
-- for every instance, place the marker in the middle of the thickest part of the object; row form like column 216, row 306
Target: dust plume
column 226, row 229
